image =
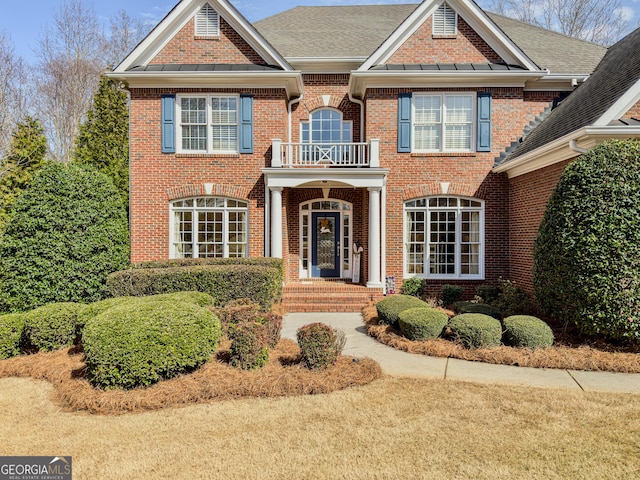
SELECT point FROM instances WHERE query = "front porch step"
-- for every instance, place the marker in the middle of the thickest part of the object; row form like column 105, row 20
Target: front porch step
column 318, row 296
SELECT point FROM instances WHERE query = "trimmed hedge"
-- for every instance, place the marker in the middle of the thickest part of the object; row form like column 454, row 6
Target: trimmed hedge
column 320, row 345
column 413, row 286
column 390, row 308
column 475, row 330
column 142, row 341
column 471, row 307
column 451, row 294
column 52, row 326
column 526, row 331
column 422, row 323
column 249, row 349
column 224, row 283
column 11, row 328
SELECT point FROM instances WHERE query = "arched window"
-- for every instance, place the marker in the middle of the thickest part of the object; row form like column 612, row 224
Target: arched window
column 329, row 137
column 444, row 238
column 209, row 227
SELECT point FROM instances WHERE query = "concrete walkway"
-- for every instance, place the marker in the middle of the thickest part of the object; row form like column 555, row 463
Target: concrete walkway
column 402, row 364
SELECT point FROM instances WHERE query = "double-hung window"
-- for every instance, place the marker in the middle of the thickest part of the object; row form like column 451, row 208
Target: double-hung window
column 444, row 238
column 443, row 122
column 208, row 123
column 209, row 227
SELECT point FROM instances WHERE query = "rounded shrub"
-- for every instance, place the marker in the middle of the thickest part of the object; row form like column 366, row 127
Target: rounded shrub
column 249, row 348
column 67, row 231
column 413, row 286
column 11, row 328
column 526, row 331
column 422, row 323
column 273, row 324
column 320, row 345
column 470, row 307
column 475, row 330
column 587, row 253
column 52, row 326
column 139, row 342
column 389, row 308
column 451, row 294
column 197, row 298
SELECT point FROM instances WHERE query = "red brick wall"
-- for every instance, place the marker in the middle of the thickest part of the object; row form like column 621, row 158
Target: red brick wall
column 229, row 48
column 466, row 47
column 528, row 197
column 158, row 178
column 634, row 112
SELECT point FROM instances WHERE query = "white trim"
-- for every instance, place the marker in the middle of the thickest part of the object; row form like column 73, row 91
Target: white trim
column 207, row 18
column 446, row 9
column 621, row 106
column 323, row 177
column 184, row 12
column 472, row 14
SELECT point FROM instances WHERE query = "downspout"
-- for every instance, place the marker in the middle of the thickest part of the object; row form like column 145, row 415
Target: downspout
column 361, row 103
column 574, row 147
column 291, row 104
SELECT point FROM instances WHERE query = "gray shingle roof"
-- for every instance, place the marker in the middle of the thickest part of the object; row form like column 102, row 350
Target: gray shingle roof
column 357, row 31
column 618, row 71
column 204, row 67
column 451, row 67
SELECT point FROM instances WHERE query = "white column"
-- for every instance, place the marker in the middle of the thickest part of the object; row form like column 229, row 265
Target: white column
column 276, row 222
column 374, row 238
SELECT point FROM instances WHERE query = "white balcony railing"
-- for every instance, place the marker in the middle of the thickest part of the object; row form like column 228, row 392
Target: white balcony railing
column 300, row 155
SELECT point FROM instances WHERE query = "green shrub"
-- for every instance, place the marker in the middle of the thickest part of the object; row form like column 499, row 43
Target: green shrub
column 488, row 293
column 422, row 323
column 513, row 300
column 320, row 345
column 526, row 331
column 249, row 349
column 223, row 282
column 11, row 329
column 141, row 341
column 471, row 307
column 413, row 286
column 67, row 231
column 475, row 330
column 273, row 324
column 587, row 253
column 51, row 327
column 389, row 308
column 451, row 294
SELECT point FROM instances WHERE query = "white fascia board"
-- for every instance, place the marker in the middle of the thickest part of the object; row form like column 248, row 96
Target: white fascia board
column 361, row 81
column 559, row 150
column 314, row 177
column 176, row 20
column 621, row 106
column 472, row 14
column 290, row 81
column 552, row 83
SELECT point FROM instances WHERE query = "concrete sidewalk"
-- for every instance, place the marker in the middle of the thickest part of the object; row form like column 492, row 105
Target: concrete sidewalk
column 402, row 364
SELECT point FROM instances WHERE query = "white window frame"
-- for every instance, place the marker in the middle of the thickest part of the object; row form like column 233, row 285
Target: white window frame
column 207, row 22
column 443, row 121
column 226, row 208
column 458, row 210
column 343, row 122
column 209, row 125
column 445, row 21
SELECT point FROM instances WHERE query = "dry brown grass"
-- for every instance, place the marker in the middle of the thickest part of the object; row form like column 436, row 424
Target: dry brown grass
column 576, row 357
column 283, row 376
column 390, row 429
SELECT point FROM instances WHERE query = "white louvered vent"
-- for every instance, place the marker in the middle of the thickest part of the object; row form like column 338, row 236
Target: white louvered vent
column 445, row 20
column 207, row 22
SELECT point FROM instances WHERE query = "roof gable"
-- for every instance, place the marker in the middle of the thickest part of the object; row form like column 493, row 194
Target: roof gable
column 176, row 22
column 472, row 15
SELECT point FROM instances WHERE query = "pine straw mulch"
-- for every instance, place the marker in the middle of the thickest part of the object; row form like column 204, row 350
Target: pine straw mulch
column 568, row 353
column 284, row 375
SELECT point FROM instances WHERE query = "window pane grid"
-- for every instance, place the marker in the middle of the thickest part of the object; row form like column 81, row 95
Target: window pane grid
column 443, row 122
column 209, row 124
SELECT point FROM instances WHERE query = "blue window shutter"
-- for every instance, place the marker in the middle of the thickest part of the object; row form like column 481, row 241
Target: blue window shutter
column 404, row 122
column 246, row 123
column 484, row 122
column 168, row 124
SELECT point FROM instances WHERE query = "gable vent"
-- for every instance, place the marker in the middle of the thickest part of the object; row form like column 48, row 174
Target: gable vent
column 445, row 20
column 207, row 22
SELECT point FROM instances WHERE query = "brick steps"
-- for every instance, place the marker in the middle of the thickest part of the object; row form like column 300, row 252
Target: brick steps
column 327, row 297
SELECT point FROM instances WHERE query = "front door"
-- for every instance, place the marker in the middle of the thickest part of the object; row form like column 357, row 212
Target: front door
column 325, row 248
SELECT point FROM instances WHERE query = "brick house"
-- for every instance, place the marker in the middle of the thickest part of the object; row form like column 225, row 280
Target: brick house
column 395, row 128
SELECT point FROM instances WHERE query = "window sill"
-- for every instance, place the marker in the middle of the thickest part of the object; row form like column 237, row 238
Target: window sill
column 444, row 37
column 444, row 154
column 207, row 155
column 206, row 37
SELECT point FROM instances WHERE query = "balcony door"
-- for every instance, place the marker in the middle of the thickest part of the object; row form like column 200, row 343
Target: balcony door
column 327, row 133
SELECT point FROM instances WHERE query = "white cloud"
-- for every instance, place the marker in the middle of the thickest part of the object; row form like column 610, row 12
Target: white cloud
column 628, row 13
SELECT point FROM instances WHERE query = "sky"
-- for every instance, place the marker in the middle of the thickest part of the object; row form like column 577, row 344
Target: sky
column 24, row 21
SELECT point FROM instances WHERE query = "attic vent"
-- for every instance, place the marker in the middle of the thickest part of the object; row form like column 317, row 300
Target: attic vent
column 445, row 20
column 207, row 22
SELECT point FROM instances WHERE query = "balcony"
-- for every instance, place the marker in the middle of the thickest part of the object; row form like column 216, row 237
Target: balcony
column 315, row 155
